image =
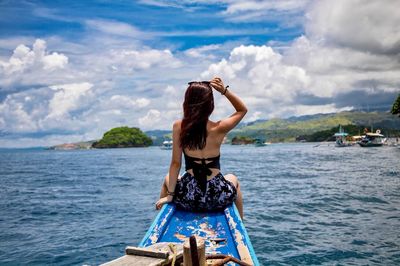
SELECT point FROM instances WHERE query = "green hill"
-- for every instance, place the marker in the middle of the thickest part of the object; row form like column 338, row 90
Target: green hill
column 123, row 137
column 158, row 136
column 285, row 130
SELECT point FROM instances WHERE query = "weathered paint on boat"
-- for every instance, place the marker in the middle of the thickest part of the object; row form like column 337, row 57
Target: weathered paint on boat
column 174, row 225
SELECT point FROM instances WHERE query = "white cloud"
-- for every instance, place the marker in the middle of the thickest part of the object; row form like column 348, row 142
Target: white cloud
column 110, row 78
column 151, row 119
column 122, row 101
column 255, row 116
column 203, row 51
column 46, row 109
column 242, row 10
column 332, row 60
column 68, row 97
column 94, row 102
column 258, row 74
column 213, row 32
column 27, row 65
column 25, row 58
column 18, row 115
column 116, row 28
column 235, row 7
column 128, row 60
column 369, row 26
column 64, row 112
column 339, row 70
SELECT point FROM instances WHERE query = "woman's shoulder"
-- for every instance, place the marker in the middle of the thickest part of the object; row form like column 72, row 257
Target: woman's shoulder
column 177, row 124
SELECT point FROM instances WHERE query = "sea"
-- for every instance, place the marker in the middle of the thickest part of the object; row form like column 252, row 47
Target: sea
column 304, row 204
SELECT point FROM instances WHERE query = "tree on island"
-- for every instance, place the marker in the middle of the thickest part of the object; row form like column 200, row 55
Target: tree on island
column 123, row 137
column 396, row 106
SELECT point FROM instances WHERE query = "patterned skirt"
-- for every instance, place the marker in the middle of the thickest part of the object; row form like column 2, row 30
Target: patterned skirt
column 219, row 193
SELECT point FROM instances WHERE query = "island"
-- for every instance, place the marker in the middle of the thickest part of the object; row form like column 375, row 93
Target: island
column 123, row 137
column 84, row 145
column 242, row 140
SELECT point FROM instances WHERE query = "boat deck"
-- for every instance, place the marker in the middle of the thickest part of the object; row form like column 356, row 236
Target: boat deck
column 223, row 232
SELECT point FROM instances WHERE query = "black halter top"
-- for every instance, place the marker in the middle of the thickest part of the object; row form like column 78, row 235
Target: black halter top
column 201, row 170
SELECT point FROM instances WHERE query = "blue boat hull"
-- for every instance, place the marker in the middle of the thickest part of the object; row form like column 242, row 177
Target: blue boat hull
column 223, row 232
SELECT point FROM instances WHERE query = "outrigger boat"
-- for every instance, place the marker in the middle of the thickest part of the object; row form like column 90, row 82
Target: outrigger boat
column 259, row 143
column 341, row 140
column 372, row 139
column 167, row 145
column 223, row 232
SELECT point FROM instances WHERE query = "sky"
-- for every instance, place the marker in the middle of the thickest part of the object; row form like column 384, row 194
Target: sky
column 71, row 70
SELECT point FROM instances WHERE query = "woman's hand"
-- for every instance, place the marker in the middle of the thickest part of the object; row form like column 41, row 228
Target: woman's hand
column 217, row 84
column 162, row 201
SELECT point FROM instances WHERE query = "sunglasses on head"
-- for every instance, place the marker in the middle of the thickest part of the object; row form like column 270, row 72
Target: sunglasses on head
column 204, row 82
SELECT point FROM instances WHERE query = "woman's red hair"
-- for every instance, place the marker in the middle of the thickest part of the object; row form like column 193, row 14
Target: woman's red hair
column 197, row 108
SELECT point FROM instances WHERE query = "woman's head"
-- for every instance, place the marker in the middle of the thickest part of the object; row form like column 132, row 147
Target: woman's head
column 197, row 108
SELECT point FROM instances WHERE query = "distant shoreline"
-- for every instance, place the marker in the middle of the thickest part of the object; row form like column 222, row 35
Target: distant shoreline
column 280, row 130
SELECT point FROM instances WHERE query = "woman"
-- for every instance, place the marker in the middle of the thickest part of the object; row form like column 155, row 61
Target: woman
column 202, row 187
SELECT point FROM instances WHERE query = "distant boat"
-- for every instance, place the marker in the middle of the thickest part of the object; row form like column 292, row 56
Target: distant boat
column 259, row 143
column 341, row 140
column 167, row 145
column 372, row 139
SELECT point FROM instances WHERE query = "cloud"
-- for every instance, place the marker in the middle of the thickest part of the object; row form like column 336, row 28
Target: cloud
column 322, row 70
column 243, row 11
column 26, row 64
column 67, row 111
column 116, row 28
column 58, row 90
column 203, row 51
column 258, row 74
column 86, row 93
column 365, row 26
column 128, row 60
column 151, row 119
column 218, row 32
column 121, row 101
column 68, row 97
column 45, row 109
column 253, row 7
column 350, row 46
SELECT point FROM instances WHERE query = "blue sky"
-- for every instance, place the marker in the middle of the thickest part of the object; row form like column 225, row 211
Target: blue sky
column 69, row 71
column 170, row 25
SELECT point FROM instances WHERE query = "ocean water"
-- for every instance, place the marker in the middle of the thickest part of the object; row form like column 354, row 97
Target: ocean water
column 304, row 205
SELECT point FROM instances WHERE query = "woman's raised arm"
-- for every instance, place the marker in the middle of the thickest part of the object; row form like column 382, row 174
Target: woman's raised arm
column 229, row 123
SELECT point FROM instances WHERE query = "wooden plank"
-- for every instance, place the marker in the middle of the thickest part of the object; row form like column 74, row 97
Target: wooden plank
column 194, row 252
column 158, row 226
column 160, row 248
column 240, row 236
column 131, row 260
column 146, row 252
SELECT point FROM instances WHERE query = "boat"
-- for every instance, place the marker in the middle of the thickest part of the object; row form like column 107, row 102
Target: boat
column 372, row 139
column 223, row 231
column 167, row 145
column 259, row 143
column 341, row 138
